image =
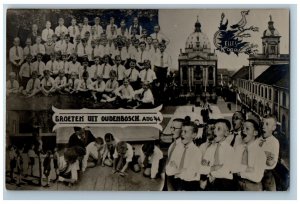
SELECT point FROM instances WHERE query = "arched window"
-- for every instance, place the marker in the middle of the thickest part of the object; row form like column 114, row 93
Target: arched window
column 270, row 94
column 283, row 124
column 266, row 92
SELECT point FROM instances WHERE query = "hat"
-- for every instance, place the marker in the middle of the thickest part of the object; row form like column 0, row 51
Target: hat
column 225, row 121
column 77, row 129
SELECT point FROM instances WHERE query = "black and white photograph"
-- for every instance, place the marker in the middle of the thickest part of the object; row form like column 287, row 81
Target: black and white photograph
column 148, row 99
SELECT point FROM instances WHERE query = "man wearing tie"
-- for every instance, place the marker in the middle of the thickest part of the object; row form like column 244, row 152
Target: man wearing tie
column 235, row 138
column 147, row 74
column 142, row 55
column 38, row 66
column 33, row 86
column 144, row 97
column 135, row 26
column 159, row 36
column 47, row 31
column 16, row 56
column 61, row 28
column 98, row 27
column 105, row 68
column 73, row 30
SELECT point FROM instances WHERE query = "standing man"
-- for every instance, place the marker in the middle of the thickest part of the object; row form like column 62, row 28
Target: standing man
column 158, row 35
column 16, row 56
column 235, row 138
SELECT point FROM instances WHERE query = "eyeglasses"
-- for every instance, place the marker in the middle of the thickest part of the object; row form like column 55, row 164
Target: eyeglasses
column 174, row 128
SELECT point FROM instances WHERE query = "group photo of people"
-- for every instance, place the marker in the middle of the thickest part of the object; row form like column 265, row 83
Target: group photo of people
column 122, row 63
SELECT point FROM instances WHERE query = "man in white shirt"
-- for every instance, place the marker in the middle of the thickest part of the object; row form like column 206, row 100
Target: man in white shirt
column 135, row 26
column 142, row 55
column 85, row 27
column 110, row 87
column 105, row 68
column 28, row 48
column 33, row 86
column 122, row 157
column 52, row 65
column 67, row 47
column 270, row 145
column 93, row 155
column 61, row 28
column 249, row 159
column 93, row 69
column 235, row 137
column 47, row 32
column 220, row 161
column 12, row 85
column 189, row 160
column 84, row 85
column 73, row 30
column 123, row 31
column 48, row 86
column 74, row 66
column 38, row 47
column 61, row 82
column 97, row 87
column 16, row 56
column 147, row 74
column 38, row 66
column 151, row 160
column 111, row 24
column 132, row 74
column 144, row 97
column 73, row 83
column 98, row 27
column 125, row 94
column 119, row 68
column 172, row 160
column 121, row 51
column 159, row 35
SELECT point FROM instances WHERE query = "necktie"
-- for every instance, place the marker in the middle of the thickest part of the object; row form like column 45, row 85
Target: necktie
column 171, row 152
column 262, row 141
column 145, row 79
column 110, row 84
column 73, row 83
column 84, row 50
column 17, row 51
column 64, row 67
column 162, row 60
column 117, row 71
column 233, row 140
column 103, row 71
column 29, row 51
column 142, row 56
column 96, row 71
column 74, row 31
column 93, row 51
column 182, row 158
column 85, row 85
column 38, row 67
column 60, row 28
column 52, row 66
column 129, row 76
column 76, row 48
column 120, row 53
column 217, row 155
column 38, row 48
column 245, row 156
column 64, row 171
column 67, row 47
column 155, row 35
column 48, row 33
column 32, row 87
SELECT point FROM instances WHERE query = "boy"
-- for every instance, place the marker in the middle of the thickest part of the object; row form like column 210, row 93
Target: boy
column 52, row 66
column 47, row 167
column 123, row 31
column 188, row 159
column 83, row 50
column 48, row 86
column 12, row 162
column 235, row 138
column 61, row 82
column 125, row 94
column 144, row 97
column 85, row 27
column 33, row 86
column 122, row 157
column 97, row 87
column 94, row 154
column 132, row 74
column 83, row 85
column 67, row 47
column 111, row 24
column 74, row 66
column 151, row 160
column 270, row 145
column 220, row 163
column 119, row 68
column 249, row 159
column 147, row 74
column 171, row 167
column 98, row 28
column 49, row 47
column 38, row 47
column 142, row 55
column 159, row 36
column 28, row 49
column 16, row 55
column 47, row 31
column 61, row 28
column 110, row 87
column 19, row 166
column 68, row 166
column 31, row 160
column 25, row 71
column 105, row 68
column 72, row 83
column 93, row 69
column 12, row 85
column 38, row 66
column 135, row 26
column 73, row 30
column 110, row 145
column 64, row 64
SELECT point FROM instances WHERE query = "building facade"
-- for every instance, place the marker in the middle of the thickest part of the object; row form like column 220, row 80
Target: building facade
column 197, row 64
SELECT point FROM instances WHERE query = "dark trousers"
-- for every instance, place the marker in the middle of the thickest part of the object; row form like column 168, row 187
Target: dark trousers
column 161, row 74
column 173, row 182
column 268, row 181
column 247, row 185
column 188, row 185
column 222, row 184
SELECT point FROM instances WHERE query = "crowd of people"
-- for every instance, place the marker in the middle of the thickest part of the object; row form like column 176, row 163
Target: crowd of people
column 103, row 64
column 229, row 156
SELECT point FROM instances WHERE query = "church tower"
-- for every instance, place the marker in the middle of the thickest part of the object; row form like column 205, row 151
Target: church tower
column 271, row 41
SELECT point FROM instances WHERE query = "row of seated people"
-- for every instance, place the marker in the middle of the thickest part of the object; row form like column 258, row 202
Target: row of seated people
column 122, row 95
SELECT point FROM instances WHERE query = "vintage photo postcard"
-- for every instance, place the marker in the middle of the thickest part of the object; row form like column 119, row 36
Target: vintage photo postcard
column 148, row 99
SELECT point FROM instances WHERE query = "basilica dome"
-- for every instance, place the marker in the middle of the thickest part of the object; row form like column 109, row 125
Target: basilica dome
column 271, row 31
column 198, row 40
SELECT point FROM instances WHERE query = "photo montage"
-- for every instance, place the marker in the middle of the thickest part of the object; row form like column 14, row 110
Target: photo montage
column 148, row 100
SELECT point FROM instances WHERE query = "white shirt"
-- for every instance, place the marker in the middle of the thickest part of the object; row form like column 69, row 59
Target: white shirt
column 73, row 31
column 125, row 92
column 12, row 86
column 73, row 168
column 84, row 85
column 166, row 60
column 141, row 56
column 128, row 155
column 132, row 74
column 74, row 67
column 91, row 151
column 85, row 28
column 83, row 51
column 108, row 28
column 47, row 33
column 160, row 36
column 270, row 145
column 60, row 82
column 67, row 48
column 172, row 167
column 151, row 76
column 103, row 50
column 153, row 160
column 98, row 30
column 61, row 29
column 64, row 65
column 123, row 33
column 192, row 161
column 53, row 66
column 28, row 50
column 148, row 96
column 238, row 139
column 76, row 83
column 48, row 82
column 97, row 86
column 36, row 85
column 39, row 67
column 111, row 86
column 104, row 70
column 120, row 70
column 25, row 70
column 123, row 53
column 38, row 48
column 256, row 160
column 16, row 53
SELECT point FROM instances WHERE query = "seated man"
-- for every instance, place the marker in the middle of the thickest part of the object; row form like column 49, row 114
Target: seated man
column 110, row 87
column 151, row 160
column 97, row 87
column 83, row 86
column 48, row 86
column 144, row 97
column 125, row 94
column 132, row 74
column 94, row 154
column 68, row 166
column 12, row 85
column 72, row 83
column 61, row 82
column 33, row 86
column 147, row 74
column 122, row 157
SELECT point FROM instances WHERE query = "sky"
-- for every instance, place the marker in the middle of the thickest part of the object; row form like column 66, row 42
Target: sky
column 179, row 24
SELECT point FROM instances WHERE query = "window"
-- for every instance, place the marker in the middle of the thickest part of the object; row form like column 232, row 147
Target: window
column 284, row 99
column 262, row 91
column 270, row 94
column 283, row 124
column 266, row 92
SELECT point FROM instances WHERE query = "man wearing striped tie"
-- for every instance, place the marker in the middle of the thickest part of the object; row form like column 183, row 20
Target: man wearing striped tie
column 171, row 169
